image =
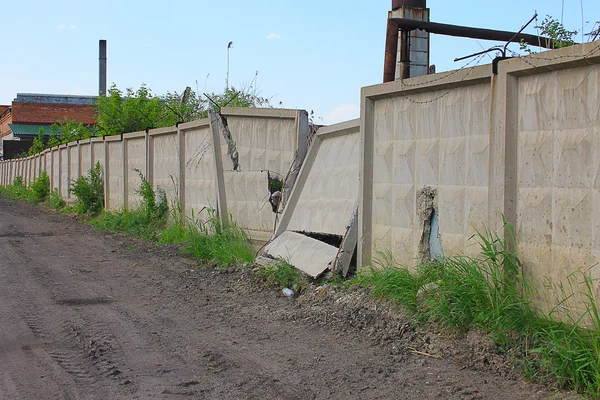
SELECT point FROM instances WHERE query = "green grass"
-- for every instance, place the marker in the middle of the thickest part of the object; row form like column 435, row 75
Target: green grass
column 283, row 275
column 207, row 241
column 488, row 292
column 55, row 200
column 134, row 223
column 37, row 192
column 220, row 242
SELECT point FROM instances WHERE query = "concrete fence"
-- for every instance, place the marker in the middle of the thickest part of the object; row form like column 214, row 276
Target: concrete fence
column 219, row 162
column 459, row 148
column 432, row 161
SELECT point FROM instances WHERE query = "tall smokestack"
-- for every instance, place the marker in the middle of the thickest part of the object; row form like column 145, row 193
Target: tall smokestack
column 406, row 52
column 102, row 59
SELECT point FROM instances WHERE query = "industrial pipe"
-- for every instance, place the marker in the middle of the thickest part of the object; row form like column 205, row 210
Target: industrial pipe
column 473, row 33
column 391, row 50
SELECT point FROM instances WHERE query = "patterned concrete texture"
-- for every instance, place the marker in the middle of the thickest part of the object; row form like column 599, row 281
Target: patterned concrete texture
column 524, row 143
column 430, row 139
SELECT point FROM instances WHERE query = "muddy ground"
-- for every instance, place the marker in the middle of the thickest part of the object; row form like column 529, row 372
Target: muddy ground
column 90, row 315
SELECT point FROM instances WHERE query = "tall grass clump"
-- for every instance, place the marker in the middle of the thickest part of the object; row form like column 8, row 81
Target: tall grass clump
column 17, row 190
column 89, row 191
column 460, row 292
column 132, row 222
column 41, row 188
column 154, row 203
column 489, row 292
column 283, row 275
column 37, row 192
column 55, row 200
column 218, row 241
column 568, row 350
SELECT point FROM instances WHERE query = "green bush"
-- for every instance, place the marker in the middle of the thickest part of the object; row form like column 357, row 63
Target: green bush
column 41, row 187
column 89, row 191
column 55, row 200
column 154, row 204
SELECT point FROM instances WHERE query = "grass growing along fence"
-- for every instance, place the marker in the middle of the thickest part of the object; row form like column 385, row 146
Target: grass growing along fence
column 37, row 192
column 212, row 240
column 283, row 275
column 488, row 292
column 89, row 191
column 457, row 294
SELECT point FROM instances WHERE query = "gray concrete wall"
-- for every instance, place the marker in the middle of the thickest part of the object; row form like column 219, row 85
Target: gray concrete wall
column 523, row 143
column 190, row 162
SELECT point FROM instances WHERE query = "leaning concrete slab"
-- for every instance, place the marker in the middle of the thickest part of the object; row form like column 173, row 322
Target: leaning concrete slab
column 324, row 201
column 307, row 254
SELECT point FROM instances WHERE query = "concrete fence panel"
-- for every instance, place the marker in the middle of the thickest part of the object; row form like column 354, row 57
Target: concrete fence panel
column 198, row 169
column 55, row 168
column 64, row 153
column 164, row 170
column 134, row 156
column 426, row 135
column 114, row 181
column 253, row 143
column 85, row 157
column 74, row 161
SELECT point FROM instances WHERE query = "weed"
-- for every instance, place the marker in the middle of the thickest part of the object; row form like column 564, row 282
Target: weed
column 134, row 223
column 41, row 187
column 55, row 200
column 174, row 233
column 488, row 292
column 282, row 274
column 89, row 191
column 154, row 204
column 221, row 242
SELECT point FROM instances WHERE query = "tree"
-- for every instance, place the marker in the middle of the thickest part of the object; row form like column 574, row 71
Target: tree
column 559, row 35
column 38, row 143
column 136, row 111
column 140, row 110
column 69, row 130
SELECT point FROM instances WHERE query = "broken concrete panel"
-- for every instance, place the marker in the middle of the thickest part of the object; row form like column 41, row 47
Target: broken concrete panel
column 307, row 254
column 324, row 200
column 252, row 145
column 346, row 250
column 426, row 204
column 326, row 192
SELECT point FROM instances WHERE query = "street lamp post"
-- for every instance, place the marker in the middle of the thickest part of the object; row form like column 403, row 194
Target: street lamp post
column 229, row 46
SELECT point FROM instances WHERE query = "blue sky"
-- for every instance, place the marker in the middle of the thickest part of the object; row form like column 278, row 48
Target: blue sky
column 313, row 55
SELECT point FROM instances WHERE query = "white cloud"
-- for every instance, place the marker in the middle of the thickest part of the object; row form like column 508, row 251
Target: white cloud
column 273, row 35
column 342, row 113
column 63, row 27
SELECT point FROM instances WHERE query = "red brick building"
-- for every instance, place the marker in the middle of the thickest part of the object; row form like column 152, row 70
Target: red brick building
column 21, row 121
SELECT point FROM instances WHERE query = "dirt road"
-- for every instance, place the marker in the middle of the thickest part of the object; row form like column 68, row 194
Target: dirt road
column 88, row 315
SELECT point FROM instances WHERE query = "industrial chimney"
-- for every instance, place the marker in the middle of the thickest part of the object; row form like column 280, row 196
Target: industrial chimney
column 102, row 75
column 410, row 49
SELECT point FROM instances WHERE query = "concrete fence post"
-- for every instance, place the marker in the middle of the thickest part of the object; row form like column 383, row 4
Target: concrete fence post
column 181, row 137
